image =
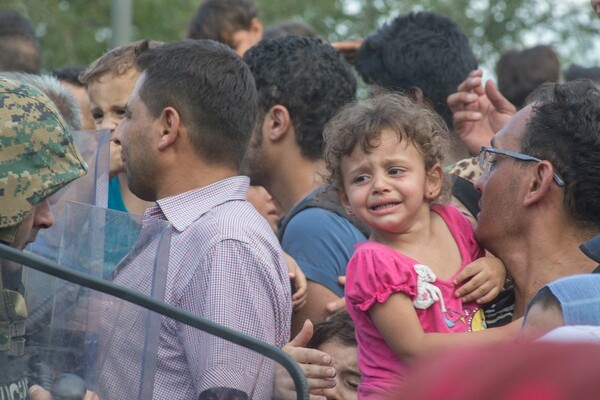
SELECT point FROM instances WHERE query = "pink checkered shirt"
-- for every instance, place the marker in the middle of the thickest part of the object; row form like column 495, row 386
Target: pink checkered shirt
column 225, row 265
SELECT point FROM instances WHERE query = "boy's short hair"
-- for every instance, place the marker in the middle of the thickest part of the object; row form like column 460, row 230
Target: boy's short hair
column 220, row 19
column 117, row 61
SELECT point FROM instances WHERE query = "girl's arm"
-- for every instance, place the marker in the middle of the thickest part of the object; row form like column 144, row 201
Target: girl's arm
column 397, row 321
column 484, row 279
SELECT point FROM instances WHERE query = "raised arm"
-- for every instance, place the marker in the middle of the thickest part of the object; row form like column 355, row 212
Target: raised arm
column 478, row 111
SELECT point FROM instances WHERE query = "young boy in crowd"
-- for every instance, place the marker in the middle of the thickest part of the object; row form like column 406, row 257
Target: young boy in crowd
column 109, row 81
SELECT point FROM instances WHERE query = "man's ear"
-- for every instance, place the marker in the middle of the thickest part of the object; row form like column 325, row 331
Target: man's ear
column 278, row 123
column 434, row 181
column 256, row 28
column 540, row 183
column 169, row 125
column 415, row 93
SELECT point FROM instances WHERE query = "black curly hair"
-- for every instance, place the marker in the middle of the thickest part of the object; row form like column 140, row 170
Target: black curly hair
column 307, row 77
column 425, row 50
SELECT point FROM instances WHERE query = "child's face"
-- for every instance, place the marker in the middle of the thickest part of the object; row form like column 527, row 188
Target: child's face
column 389, row 189
column 108, row 97
column 345, row 360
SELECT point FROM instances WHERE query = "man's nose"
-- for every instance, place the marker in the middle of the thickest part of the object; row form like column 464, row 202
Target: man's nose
column 42, row 216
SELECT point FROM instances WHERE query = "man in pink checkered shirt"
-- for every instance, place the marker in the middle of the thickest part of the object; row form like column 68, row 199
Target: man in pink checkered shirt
column 186, row 127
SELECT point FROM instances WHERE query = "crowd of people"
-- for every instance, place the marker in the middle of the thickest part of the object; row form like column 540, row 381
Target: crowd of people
column 395, row 246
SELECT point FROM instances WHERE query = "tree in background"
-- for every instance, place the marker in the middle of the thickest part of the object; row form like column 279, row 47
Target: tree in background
column 78, row 31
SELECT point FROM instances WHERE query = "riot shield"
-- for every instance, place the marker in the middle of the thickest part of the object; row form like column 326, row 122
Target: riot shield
column 86, row 346
column 92, row 189
column 97, row 337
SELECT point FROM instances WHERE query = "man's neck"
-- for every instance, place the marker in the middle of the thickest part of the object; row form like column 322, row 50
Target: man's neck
column 295, row 181
column 539, row 259
column 192, row 177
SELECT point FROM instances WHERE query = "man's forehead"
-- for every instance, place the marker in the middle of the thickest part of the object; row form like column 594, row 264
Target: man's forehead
column 509, row 137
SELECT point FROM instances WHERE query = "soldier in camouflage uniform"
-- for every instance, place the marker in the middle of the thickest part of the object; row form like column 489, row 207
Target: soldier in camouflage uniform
column 37, row 158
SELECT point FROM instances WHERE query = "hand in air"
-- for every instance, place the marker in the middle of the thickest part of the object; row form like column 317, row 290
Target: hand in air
column 478, row 111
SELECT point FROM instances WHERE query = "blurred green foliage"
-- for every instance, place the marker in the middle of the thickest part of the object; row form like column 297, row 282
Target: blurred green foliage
column 78, row 31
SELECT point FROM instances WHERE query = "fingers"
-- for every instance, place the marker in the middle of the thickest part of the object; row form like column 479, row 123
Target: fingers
column 342, row 280
column 461, row 101
column 36, row 392
column 500, row 102
column 303, row 337
column 491, row 295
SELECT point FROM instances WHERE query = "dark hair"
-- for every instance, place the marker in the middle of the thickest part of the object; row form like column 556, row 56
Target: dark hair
column 19, row 47
column 289, row 28
column 564, row 128
column 69, row 74
column 361, row 123
column 425, row 50
column 306, row 76
column 339, row 327
column 521, row 72
column 578, row 72
column 220, row 19
column 212, row 90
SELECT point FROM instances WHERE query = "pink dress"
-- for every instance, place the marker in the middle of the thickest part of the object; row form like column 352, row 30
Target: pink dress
column 375, row 271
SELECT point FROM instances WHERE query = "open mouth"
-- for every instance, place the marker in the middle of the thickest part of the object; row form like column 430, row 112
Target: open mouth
column 380, row 207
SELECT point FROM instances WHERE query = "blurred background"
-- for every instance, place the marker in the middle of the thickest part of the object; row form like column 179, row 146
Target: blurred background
column 79, row 31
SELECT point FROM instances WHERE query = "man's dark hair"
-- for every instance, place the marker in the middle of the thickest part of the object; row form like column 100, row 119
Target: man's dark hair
column 210, row 87
column 564, row 128
column 19, row 47
column 220, row 19
column 306, row 76
column 337, row 328
column 289, row 28
column 424, row 50
column 70, row 74
column 579, row 72
column 521, row 72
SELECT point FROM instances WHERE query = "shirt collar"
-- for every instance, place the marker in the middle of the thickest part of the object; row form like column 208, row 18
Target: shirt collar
column 184, row 208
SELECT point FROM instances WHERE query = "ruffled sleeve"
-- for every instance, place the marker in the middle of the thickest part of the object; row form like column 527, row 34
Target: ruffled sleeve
column 375, row 272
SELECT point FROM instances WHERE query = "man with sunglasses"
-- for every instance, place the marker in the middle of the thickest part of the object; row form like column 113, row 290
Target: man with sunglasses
column 539, row 188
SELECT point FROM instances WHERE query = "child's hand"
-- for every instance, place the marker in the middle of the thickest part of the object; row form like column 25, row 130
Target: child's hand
column 484, row 278
column 116, row 162
column 300, row 286
column 340, row 303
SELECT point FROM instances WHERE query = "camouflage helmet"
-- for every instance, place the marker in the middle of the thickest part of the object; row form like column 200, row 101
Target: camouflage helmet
column 37, row 153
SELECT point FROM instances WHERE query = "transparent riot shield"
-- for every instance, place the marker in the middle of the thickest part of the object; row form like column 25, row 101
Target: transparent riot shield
column 92, row 189
column 100, row 341
column 105, row 341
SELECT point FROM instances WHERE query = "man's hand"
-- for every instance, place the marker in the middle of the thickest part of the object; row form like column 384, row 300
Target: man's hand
column 116, row 162
column 315, row 364
column 36, row 392
column 485, row 279
column 348, row 49
column 478, row 112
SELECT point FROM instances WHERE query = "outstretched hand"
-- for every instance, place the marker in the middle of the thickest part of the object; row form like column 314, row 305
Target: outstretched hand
column 478, row 111
column 315, row 364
